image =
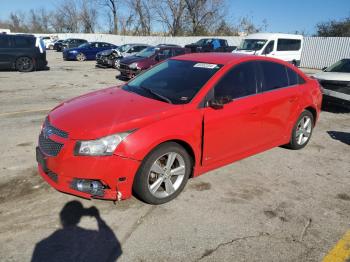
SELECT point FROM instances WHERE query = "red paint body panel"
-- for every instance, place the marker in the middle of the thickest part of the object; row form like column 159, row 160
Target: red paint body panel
column 214, row 138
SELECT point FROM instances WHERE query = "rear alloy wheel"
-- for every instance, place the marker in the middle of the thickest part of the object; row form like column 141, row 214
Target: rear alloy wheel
column 24, row 64
column 302, row 131
column 163, row 174
column 80, row 57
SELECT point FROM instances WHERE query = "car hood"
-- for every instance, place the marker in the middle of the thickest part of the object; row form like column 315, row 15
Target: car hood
column 108, row 111
column 332, row 76
column 132, row 59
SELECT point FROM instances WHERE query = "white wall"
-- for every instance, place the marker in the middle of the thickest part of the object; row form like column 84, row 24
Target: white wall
column 151, row 40
column 318, row 52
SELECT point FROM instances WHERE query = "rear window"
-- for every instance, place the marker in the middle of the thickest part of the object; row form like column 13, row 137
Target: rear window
column 24, row 42
column 288, row 44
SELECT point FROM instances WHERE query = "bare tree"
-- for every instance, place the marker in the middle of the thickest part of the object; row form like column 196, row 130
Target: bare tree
column 247, row 26
column 88, row 16
column 17, row 22
column 171, row 14
column 202, row 15
column 112, row 5
column 143, row 18
column 68, row 16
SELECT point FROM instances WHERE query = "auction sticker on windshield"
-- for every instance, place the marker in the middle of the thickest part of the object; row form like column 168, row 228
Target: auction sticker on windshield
column 205, row 65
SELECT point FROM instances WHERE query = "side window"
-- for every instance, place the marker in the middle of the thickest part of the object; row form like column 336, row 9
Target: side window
column 139, row 48
column 238, row 82
column 131, row 50
column 23, row 42
column 179, row 52
column 288, row 44
column 294, row 78
column 4, row 42
column 269, row 48
column 275, row 75
column 164, row 54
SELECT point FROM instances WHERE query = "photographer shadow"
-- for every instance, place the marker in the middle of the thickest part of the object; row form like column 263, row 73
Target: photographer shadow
column 73, row 243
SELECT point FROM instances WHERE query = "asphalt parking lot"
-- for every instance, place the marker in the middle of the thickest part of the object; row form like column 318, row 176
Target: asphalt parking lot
column 280, row 205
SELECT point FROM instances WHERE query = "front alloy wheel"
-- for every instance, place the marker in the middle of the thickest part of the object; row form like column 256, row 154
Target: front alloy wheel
column 163, row 174
column 81, row 57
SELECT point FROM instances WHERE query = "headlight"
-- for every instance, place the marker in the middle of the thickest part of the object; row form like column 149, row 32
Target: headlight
column 73, row 51
column 104, row 146
column 134, row 66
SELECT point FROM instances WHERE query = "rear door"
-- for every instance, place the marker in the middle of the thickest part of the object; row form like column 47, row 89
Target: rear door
column 6, row 52
column 233, row 130
column 280, row 96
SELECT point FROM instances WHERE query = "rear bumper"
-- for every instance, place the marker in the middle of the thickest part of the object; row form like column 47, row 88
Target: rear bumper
column 114, row 172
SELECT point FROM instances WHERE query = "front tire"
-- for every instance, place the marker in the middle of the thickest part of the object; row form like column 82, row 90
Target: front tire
column 80, row 57
column 24, row 64
column 302, row 131
column 163, row 174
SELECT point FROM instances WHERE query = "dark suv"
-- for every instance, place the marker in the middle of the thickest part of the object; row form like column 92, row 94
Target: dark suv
column 72, row 42
column 24, row 53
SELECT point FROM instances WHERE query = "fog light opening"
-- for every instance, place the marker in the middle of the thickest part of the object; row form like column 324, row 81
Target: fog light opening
column 92, row 187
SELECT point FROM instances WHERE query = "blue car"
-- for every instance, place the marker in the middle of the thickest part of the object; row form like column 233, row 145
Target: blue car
column 86, row 51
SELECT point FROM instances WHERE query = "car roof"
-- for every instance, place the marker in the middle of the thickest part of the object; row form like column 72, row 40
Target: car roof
column 214, row 58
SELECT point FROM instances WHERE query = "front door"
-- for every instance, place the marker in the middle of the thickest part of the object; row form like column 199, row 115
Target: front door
column 233, row 130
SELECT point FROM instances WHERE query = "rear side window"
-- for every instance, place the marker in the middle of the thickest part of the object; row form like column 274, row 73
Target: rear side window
column 275, row 75
column 24, row 42
column 294, row 78
column 4, row 42
column 288, row 44
column 138, row 48
column 239, row 82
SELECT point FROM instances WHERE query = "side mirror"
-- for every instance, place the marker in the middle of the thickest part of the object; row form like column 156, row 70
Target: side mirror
column 218, row 103
column 324, row 68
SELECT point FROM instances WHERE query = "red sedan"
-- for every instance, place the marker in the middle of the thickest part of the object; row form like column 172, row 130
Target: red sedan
column 180, row 119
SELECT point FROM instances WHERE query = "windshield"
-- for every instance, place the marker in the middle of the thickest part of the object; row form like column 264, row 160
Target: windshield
column 123, row 48
column 342, row 66
column 252, row 44
column 85, row 45
column 148, row 52
column 203, row 42
column 174, row 81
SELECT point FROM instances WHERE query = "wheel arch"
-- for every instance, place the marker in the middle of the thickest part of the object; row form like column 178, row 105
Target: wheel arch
column 313, row 111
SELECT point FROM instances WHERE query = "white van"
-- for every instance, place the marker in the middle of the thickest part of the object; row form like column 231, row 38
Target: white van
column 286, row 47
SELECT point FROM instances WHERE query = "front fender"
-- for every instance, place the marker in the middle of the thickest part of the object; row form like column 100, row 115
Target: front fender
column 185, row 127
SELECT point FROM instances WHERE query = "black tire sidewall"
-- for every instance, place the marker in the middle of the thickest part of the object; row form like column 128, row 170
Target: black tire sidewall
column 140, row 185
column 31, row 68
column 293, row 141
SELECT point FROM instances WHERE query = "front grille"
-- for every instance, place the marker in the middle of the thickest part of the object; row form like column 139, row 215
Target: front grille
column 54, row 130
column 123, row 66
column 48, row 146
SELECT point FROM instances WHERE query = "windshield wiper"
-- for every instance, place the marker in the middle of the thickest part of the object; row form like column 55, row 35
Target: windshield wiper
column 156, row 94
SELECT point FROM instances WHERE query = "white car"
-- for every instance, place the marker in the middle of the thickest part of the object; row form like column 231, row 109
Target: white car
column 335, row 81
column 48, row 41
column 286, row 47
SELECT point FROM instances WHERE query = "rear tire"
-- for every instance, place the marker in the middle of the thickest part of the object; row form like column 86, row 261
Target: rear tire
column 163, row 174
column 302, row 131
column 24, row 64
